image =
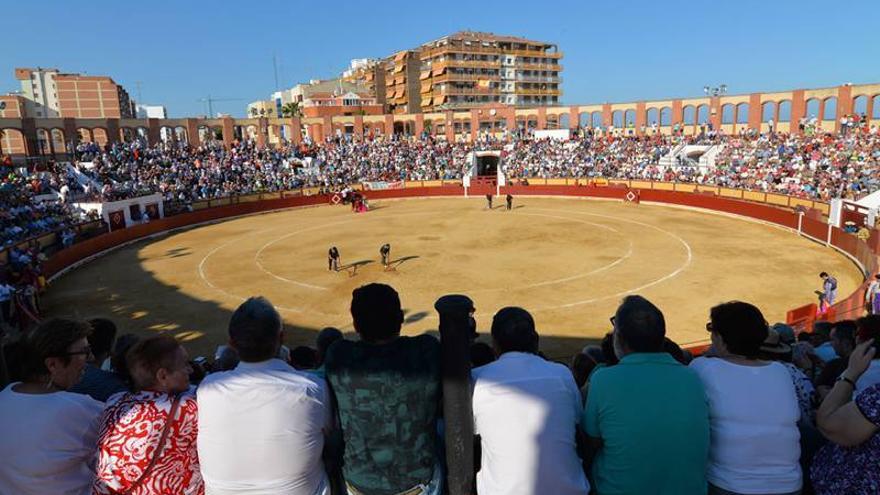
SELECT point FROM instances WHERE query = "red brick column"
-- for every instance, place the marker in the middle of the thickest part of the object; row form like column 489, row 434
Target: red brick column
column 755, row 111
column 641, row 118
column 262, row 123
column 574, row 118
column 327, row 126
column 606, row 115
column 389, row 124
column 192, row 132
column 420, row 124
column 475, row 124
column 677, row 113
column 542, row 118
column 154, row 133
column 450, row 127
column 715, row 112
column 798, row 109
column 70, row 134
column 844, row 104
column 359, row 127
column 29, row 136
column 228, row 131
column 112, row 126
column 296, row 136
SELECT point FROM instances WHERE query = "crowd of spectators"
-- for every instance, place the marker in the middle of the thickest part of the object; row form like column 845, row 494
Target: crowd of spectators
column 762, row 411
column 810, row 164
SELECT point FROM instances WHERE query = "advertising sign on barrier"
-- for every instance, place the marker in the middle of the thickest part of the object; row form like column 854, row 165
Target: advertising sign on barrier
column 382, row 185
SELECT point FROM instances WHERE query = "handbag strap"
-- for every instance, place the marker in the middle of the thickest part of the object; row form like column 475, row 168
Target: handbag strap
column 159, row 448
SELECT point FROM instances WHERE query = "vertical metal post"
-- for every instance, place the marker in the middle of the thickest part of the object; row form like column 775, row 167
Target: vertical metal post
column 455, row 340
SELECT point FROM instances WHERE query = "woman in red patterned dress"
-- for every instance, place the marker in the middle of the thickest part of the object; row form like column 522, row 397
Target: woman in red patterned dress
column 139, row 451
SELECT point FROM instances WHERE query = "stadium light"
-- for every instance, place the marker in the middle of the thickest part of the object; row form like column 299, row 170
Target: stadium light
column 715, row 91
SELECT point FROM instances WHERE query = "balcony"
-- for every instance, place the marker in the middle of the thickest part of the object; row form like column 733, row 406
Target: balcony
column 469, row 91
column 451, row 76
column 538, row 79
column 535, row 53
column 538, row 92
column 473, row 64
column 531, row 66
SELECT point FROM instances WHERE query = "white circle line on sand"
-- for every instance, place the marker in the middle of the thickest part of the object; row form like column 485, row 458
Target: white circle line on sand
column 614, row 263
column 652, row 283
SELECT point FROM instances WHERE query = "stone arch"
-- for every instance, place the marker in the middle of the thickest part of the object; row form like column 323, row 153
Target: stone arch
column 689, row 114
column 728, row 112
column 564, row 121
column 666, row 116
column 829, row 108
column 768, row 111
column 814, row 106
column 249, row 132
column 653, row 116
column 617, row 119
column 58, row 141
column 85, row 135
column 742, row 113
column 127, row 134
column 551, row 122
column 875, row 114
column 584, row 119
column 181, row 135
column 860, row 105
column 703, row 114
column 101, row 136
column 12, row 141
column 44, row 142
column 629, row 117
column 596, row 119
column 783, row 110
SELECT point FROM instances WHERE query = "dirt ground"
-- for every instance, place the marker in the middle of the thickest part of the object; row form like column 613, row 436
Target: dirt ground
column 568, row 261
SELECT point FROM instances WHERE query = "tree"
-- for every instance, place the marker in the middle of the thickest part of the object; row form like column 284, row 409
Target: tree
column 291, row 110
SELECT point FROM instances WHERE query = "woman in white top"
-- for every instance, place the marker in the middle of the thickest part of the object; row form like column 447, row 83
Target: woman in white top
column 49, row 435
column 753, row 409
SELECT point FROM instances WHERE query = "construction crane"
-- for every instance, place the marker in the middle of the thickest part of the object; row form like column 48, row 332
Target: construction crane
column 209, row 101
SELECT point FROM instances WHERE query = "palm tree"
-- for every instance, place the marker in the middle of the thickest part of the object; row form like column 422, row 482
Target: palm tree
column 291, row 110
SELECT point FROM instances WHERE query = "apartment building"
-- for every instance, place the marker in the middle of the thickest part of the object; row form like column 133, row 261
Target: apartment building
column 469, row 69
column 332, row 97
column 402, row 82
column 50, row 93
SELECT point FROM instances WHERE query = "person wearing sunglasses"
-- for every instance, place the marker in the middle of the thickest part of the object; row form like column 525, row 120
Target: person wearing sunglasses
column 49, row 434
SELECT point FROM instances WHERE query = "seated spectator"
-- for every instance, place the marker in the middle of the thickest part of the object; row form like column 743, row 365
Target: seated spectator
column 147, row 443
column 851, row 422
column 97, row 383
column 49, row 434
column 261, row 424
column 526, row 411
column 303, row 358
column 117, row 362
column 820, row 338
column 226, row 359
column 582, row 366
column 326, row 337
column 647, row 416
column 387, row 389
column 869, row 330
column 753, row 409
column 843, row 340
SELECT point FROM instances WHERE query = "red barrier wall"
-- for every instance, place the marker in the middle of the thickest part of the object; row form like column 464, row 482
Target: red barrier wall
column 850, row 307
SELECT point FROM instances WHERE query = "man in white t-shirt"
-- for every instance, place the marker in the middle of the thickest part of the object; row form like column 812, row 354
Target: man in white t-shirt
column 526, row 410
column 261, row 425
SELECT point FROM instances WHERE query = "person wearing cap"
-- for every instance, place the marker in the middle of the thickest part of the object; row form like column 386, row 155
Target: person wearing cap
column 661, row 452
column 753, row 409
column 851, row 423
column 526, row 411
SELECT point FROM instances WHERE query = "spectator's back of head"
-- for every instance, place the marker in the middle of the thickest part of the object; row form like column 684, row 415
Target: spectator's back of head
column 609, row 358
column 326, row 337
column 740, row 326
column 481, row 354
column 227, row 359
column 375, row 309
column 513, row 330
column 581, row 367
column 147, row 357
column 255, row 330
column 639, row 326
column 303, row 358
column 101, row 339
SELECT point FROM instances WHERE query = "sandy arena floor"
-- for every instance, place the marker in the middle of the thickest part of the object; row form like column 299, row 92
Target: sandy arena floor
column 568, row 261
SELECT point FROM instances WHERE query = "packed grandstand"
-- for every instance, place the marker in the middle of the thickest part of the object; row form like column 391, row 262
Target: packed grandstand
column 777, row 413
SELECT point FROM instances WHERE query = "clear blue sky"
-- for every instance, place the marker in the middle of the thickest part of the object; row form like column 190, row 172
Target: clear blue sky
column 183, row 50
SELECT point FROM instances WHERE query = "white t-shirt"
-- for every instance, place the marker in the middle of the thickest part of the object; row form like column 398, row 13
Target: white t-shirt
column 753, row 413
column 48, row 442
column 260, row 430
column 526, row 410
